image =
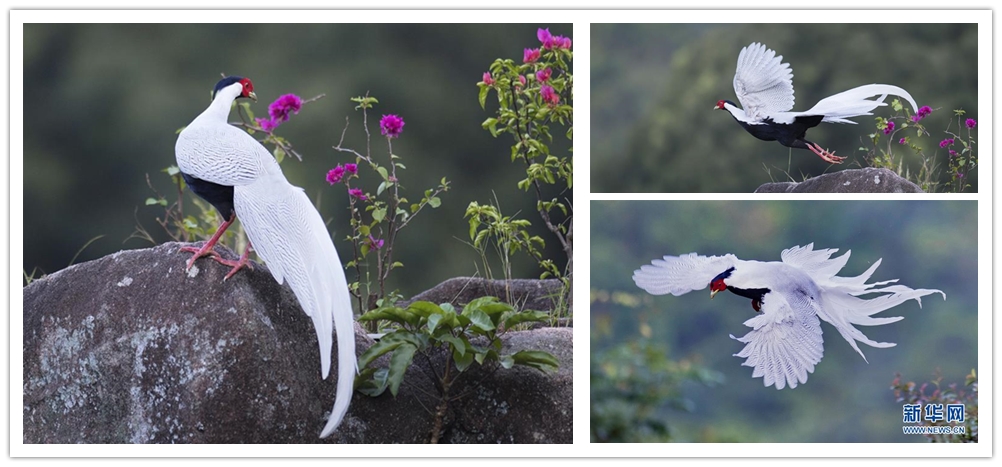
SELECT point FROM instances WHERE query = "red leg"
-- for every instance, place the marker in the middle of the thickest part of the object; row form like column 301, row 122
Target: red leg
column 207, row 247
column 238, row 264
column 828, row 157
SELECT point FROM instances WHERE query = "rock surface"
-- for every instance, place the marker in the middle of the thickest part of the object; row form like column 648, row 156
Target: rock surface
column 866, row 180
column 130, row 348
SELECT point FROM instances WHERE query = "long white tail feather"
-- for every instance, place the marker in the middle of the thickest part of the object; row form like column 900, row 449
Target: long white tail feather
column 289, row 234
column 856, row 102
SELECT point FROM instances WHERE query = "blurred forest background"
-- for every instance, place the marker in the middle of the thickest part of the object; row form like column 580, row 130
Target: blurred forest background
column 103, row 102
column 654, row 87
column 649, row 348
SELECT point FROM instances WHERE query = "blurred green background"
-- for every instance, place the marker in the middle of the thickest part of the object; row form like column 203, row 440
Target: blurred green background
column 925, row 244
column 103, row 102
column 654, row 87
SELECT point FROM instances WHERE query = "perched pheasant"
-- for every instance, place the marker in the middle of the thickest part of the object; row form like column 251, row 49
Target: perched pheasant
column 238, row 176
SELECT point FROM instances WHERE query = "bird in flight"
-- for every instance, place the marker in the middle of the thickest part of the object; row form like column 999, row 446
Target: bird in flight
column 788, row 297
column 764, row 86
column 241, row 179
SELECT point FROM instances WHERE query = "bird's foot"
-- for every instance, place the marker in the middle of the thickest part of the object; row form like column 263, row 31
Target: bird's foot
column 828, row 157
column 205, row 250
column 236, row 265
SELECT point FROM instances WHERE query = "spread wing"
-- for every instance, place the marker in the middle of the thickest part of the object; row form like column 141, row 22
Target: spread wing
column 785, row 342
column 681, row 274
column 762, row 82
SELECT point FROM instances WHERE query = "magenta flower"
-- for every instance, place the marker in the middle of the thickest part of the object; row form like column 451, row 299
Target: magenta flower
column 549, row 95
column 521, row 80
column 902, row 141
column 971, row 123
column 916, row 118
column 946, row 142
column 351, row 168
column 924, row 111
column 543, row 75
column 953, row 153
column 267, row 124
column 487, row 78
column 889, row 129
column 544, row 36
column 566, row 42
column 530, row 55
column 280, row 109
column 391, row 125
column 375, row 243
column 335, row 175
column 357, row 192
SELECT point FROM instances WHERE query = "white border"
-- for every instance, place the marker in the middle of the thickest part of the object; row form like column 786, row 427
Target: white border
column 581, row 37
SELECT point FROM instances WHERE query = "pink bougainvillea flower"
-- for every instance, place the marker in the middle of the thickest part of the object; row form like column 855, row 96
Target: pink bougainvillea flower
column 391, row 125
column 375, row 243
column 946, row 142
column 544, row 75
column 267, row 124
column 549, row 95
column 924, row 111
column 283, row 106
column 902, row 141
column 487, row 78
column 544, row 36
column 521, row 80
column 889, row 129
column 530, row 55
column 565, row 42
column 953, row 153
column 971, row 123
column 335, row 175
column 357, row 192
column 351, row 168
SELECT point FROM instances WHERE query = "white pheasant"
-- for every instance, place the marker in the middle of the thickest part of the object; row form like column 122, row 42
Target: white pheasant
column 764, row 86
column 785, row 342
column 235, row 173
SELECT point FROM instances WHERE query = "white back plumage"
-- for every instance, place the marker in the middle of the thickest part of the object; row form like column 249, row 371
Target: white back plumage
column 764, row 86
column 785, row 342
column 284, row 228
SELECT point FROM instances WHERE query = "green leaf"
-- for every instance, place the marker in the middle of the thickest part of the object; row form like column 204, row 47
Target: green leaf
column 433, row 321
column 525, row 317
column 279, row 154
column 458, row 346
column 507, row 362
column 463, row 361
column 383, row 173
column 382, row 186
column 379, row 214
column 172, row 170
column 375, row 386
column 479, row 319
column 152, row 201
column 401, row 359
column 434, row 202
column 396, row 264
column 425, row 309
column 482, row 97
column 380, row 348
column 539, row 360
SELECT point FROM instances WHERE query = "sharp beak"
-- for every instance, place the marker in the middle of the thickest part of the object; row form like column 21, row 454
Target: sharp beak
column 712, row 293
column 252, row 96
column 716, row 107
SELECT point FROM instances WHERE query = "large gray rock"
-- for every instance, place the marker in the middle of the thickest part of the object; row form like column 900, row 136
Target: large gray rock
column 866, row 180
column 130, row 348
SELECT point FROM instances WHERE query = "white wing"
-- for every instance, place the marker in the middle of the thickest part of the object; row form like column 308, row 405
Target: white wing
column 289, row 234
column 681, row 274
column 785, row 342
column 762, row 82
column 218, row 153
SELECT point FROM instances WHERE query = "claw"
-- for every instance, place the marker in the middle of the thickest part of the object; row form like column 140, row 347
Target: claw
column 828, row 157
